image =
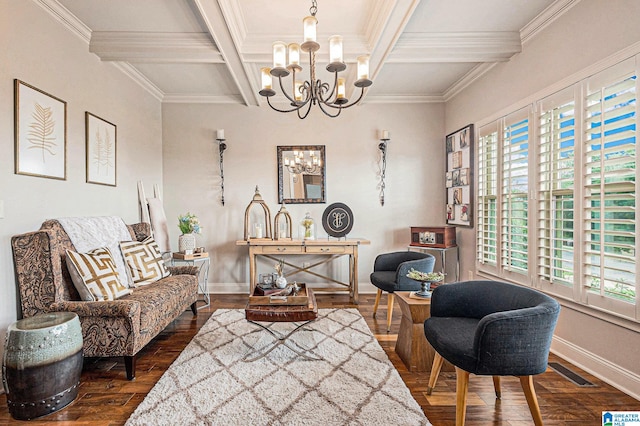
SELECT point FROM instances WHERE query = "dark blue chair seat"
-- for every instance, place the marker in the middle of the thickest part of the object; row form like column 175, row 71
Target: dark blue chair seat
column 491, row 328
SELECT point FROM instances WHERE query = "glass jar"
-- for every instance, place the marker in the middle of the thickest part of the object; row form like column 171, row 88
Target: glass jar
column 307, row 228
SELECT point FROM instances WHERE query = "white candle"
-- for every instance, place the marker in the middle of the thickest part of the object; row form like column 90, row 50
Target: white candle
column 220, row 134
column 384, row 134
column 258, row 230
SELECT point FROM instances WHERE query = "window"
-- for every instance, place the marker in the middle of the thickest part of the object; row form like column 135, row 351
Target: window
column 556, row 183
column 487, row 212
column 610, row 192
column 563, row 192
column 515, row 192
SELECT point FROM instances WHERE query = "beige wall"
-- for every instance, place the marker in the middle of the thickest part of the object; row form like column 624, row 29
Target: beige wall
column 589, row 32
column 40, row 51
column 414, row 186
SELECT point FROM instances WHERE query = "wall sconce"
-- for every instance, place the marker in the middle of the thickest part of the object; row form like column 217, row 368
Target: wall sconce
column 382, row 146
column 221, row 147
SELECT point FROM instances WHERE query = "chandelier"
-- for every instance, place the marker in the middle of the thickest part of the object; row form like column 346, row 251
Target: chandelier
column 331, row 100
column 299, row 164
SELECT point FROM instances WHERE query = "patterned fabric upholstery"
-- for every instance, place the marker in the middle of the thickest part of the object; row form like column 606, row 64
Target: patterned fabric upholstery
column 95, row 276
column 109, row 328
column 144, row 261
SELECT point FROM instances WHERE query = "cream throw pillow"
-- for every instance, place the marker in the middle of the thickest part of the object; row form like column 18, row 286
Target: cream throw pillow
column 144, row 261
column 95, row 276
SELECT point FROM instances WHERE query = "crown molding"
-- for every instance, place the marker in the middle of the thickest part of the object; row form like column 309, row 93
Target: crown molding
column 131, row 72
column 148, row 47
column 474, row 74
column 66, row 18
column 489, row 46
column 185, row 98
column 545, row 18
column 404, row 99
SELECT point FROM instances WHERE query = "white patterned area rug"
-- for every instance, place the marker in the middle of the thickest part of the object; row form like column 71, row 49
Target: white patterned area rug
column 353, row 382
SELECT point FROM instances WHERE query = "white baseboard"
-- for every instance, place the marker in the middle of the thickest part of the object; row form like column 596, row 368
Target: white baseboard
column 618, row 377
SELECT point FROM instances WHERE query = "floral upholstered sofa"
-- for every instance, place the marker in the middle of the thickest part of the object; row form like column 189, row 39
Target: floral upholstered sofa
column 112, row 328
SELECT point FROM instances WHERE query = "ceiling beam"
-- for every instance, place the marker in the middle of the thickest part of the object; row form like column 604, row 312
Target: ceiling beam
column 213, row 18
column 385, row 32
column 158, row 48
column 456, row 47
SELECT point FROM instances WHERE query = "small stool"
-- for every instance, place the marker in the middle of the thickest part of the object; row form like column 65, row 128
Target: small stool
column 42, row 364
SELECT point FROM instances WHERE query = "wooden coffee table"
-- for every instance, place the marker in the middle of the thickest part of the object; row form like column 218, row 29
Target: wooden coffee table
column 301, row 315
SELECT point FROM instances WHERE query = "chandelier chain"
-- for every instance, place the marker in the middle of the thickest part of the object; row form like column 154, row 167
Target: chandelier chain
column 314, row 8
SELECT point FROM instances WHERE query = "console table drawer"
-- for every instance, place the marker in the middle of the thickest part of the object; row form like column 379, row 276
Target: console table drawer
column 279, row 250
column 325, row 250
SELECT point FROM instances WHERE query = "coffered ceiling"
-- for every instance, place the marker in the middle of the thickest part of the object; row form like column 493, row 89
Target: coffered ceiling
column 211, row 51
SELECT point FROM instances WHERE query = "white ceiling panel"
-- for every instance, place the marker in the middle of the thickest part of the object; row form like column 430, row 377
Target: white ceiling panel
column 212, row 50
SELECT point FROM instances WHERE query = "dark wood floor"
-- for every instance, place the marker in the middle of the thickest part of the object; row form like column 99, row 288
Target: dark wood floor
column 107, row 398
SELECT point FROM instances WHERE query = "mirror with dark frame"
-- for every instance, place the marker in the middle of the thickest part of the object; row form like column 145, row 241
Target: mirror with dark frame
column 301, row 174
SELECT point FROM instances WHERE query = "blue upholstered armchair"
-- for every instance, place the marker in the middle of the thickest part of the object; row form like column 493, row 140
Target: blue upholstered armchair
column 390, row 275
column 494, row 329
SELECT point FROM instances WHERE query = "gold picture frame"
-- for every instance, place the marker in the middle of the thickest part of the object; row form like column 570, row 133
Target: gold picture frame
column 101, row 150
column 40, row 132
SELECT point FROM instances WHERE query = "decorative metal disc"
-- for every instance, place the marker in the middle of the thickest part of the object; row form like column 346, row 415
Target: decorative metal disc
column 337, row 220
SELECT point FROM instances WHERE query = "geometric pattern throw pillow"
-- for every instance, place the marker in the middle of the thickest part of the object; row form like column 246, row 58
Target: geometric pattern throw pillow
column 95, row 276
column 144, row 261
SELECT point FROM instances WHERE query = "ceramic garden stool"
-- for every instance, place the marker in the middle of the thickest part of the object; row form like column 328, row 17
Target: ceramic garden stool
column 42, row 364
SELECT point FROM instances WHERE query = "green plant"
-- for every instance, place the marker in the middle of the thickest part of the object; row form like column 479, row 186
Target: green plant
column 189, row 224
column 433, row 277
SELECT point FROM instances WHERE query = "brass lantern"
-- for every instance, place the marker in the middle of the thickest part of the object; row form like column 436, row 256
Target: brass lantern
column 282, row 225
column 257, row 229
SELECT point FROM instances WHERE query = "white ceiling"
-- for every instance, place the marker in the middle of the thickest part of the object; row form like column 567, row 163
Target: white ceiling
column 212, row 50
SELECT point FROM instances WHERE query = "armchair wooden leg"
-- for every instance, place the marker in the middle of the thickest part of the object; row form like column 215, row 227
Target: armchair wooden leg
column 390, row 310
column 532, row 399
column 435, row 371
column 377, row 302
column 462, row 386
column 496, row 386
column 130, row 366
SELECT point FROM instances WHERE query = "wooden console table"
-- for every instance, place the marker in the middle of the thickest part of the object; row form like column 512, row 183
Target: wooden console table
column 330, row 249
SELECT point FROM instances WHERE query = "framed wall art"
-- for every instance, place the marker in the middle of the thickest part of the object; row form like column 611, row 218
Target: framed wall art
column 101, row 141
column 459, row 177
column 40, row 121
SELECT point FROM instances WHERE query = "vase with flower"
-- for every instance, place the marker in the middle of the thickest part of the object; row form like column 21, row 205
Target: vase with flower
column 307, row 227
column 281, row 281
column 189, row 226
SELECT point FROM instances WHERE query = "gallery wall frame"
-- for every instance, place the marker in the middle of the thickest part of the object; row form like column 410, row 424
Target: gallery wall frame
column 101, row 150
column 459, row 177
column 40, row 131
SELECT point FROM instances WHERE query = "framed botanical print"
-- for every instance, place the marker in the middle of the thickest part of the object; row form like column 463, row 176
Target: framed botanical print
column 40, row 121
column 101, row 146
column 459, row 177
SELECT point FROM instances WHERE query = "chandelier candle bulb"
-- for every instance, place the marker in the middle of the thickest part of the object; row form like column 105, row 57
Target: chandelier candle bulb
column 335, row 49
column 279, row 54
column 220, row 134
column 384, row 134
column 341, row 88
column 294, row 56
column 297, row 93
column 363, row 67
column 309, row 24
column 266, row 78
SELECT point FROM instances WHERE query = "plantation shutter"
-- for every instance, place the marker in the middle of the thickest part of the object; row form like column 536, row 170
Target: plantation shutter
column 610, row 188
column 487, row 211
column 556, row 184
column 515, row 192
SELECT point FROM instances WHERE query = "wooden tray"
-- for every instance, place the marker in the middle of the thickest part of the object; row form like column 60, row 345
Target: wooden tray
column 191, row 256
column 301, row 299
